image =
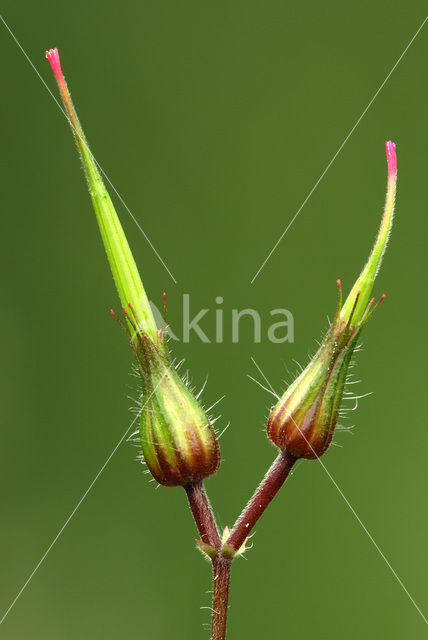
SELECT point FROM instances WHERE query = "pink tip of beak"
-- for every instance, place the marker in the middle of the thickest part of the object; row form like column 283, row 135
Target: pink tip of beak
column 391, row 158
column 53, row 57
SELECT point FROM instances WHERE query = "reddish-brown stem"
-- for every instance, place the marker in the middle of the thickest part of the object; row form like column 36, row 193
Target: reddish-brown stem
column 221, row 580
column 203, row 515
column 267, row 490
column 222, row 560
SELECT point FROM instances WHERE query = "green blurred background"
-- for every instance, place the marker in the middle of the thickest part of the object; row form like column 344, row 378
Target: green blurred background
column 213, row 121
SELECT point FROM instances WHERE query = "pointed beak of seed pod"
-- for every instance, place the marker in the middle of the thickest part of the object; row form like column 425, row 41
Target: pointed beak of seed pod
column 365, row 282
column 53, row 56
column 122, row 264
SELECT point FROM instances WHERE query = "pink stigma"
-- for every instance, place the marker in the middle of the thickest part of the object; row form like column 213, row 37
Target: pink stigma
column 53, row 57
column 391, row 158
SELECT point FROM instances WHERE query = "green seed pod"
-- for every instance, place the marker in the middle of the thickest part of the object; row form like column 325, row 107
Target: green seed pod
column 178, row 441
column 304, row 419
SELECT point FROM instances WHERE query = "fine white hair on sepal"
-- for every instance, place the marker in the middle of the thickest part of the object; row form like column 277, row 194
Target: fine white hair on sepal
column 349, row 395
column 352, row 381
column 216, row 402
column 202, row 388
column 223, row 431
column 345, row 429
column 178, row 365
column 344, row 410
column 299, row 365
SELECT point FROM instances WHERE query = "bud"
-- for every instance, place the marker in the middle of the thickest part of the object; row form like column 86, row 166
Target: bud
column 122, row 264
column 177, row 438
column 304, row 419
